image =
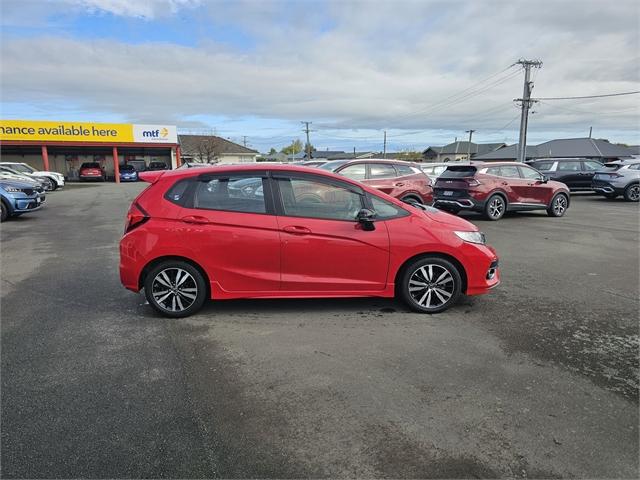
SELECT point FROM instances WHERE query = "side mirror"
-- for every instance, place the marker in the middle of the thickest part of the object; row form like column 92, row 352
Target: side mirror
column 366, row 217
column 545, row 179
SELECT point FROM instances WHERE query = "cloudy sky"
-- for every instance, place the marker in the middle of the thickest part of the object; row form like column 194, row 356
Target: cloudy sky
column 424, row 71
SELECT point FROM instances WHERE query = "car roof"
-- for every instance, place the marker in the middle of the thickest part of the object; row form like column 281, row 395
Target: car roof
column 255, row 167
column 390, row 161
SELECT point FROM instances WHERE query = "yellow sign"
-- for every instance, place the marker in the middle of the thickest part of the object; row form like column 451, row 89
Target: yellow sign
column 65, row 131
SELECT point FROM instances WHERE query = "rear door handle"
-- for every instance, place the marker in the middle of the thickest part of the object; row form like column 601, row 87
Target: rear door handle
column 505, row 183
column 195, row 219
column 296, row 230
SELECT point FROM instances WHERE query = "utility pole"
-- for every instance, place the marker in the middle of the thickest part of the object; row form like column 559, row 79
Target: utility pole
column 590, row 131
column 470, row 132
column 244, row 140
column 384, row 149
column 306, row 130
column 526, row 103
column 354, row 152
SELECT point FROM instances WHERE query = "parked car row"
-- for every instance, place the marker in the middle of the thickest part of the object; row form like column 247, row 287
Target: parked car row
column 93, row 171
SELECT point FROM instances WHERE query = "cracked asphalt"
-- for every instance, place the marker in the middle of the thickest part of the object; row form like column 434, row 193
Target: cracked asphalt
column 538, row 379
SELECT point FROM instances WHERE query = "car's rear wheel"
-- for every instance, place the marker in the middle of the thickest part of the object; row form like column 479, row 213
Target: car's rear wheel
column 411, row 199
column 558, row 206
column 430, row 285
column 632, row 193
column 5, row 211
column 175, row 288
column 495, row 207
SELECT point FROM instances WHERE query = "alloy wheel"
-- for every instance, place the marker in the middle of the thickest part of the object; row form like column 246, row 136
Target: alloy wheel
column 496, row 207
column 431, row 286
column 174, row 289
column 634, row 193
column 560, row 205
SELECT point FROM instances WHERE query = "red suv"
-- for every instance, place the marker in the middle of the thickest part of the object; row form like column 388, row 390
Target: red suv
column 495, row 188
column 91, row 171
column 281, row 231
column 403, row 180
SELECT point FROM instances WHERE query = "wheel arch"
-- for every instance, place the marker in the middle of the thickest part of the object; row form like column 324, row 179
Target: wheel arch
column 501, row 193
column 152, row 263
column 566, row 193
column 444, row 256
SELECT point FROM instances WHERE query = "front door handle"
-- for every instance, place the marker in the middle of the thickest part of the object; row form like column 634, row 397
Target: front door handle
column 195, row 219
column 399, row 184
column 296, row 230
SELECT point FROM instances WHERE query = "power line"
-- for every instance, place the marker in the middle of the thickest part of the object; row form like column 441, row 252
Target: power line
column 590, row 96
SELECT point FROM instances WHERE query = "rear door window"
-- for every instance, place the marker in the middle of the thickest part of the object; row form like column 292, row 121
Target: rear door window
column 234, row 194
column 381, row 170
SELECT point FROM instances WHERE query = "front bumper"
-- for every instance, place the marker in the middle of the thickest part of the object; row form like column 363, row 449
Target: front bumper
column 27, row 204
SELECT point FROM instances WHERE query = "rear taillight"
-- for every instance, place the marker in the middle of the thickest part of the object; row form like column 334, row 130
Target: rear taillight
column 472, row 182
column 136, row 216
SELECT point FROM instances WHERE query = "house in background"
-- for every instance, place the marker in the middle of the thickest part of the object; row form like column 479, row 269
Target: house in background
column 213, row 149
column 596, row 149
column 459, row 151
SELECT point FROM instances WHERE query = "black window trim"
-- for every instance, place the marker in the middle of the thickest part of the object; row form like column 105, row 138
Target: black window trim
column 207, row 177
column 285, row 174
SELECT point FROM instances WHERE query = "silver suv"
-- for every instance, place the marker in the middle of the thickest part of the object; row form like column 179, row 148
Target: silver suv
column 618, row 178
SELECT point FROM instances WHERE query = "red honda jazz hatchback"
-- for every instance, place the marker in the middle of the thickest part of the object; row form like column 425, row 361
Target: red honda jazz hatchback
column 281, row 231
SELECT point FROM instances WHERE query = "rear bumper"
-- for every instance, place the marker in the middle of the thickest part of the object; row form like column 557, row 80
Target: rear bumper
column 457, row 204
column 606, row 187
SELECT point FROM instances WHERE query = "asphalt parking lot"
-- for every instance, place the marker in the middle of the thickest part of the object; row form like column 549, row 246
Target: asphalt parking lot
column 538, row 379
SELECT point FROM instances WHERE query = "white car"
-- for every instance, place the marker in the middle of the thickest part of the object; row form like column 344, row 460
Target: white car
column 56, row 179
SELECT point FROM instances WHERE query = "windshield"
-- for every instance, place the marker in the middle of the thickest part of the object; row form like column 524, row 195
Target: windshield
column 90, row 165
column 127, row 168
column 20, row 167
column 331, row 166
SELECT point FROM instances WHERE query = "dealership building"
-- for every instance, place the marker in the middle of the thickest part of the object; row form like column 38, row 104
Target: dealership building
column 64, row 146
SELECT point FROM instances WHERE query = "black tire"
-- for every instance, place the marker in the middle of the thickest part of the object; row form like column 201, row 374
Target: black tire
column 163, row 302
column 54, row 183
column 559, row 205
column 632, row 192
column 5, row 211
column 429, row 295
column 495, row 207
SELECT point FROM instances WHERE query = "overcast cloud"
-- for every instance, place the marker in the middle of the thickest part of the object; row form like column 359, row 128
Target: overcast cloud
column 353, row 68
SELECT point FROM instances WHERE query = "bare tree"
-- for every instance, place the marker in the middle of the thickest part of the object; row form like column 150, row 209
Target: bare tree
column 207, row 149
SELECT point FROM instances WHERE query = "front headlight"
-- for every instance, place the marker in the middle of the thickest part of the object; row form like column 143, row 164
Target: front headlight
column 12, row 189
column 471, row 237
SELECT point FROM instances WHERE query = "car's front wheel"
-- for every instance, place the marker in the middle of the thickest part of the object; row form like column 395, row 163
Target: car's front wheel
column 175, row 288
column 558, row 206
column 5, row 211
column 632, row 193
column 48, row 184
column 430, row 285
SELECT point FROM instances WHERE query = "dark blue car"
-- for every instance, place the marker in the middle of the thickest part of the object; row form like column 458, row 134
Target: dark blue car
column 128, row 173
column 17, row 198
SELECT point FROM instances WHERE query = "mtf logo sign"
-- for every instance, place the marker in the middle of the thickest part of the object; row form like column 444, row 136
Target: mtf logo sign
column 155, row 133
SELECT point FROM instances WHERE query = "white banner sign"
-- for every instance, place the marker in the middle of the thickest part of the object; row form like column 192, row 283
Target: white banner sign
column 155, row 133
